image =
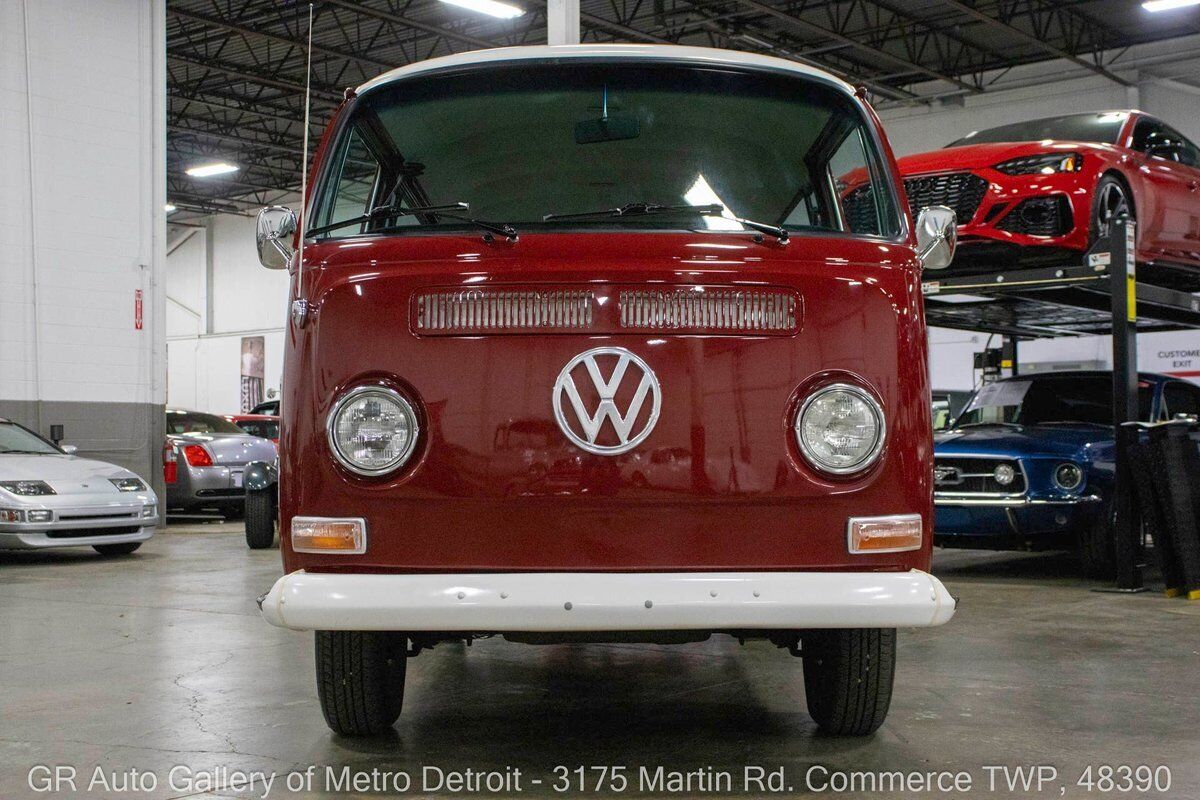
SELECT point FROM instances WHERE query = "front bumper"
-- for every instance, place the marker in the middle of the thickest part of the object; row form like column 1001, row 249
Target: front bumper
column 606, row 601
column 38, row 537
column 1015, row 521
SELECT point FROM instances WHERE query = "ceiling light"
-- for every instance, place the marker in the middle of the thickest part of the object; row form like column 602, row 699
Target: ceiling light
column 493, row 8
column 1168, row 5
column 208, row 170
column 168, row 208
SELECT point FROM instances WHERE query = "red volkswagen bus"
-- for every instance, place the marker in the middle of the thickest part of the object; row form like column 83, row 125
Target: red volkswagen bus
column 525, row 272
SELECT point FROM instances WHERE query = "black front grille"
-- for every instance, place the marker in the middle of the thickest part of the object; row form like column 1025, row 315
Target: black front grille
column 1039, row 216
column 958, row 475
column 77, row 533
column 962, row 192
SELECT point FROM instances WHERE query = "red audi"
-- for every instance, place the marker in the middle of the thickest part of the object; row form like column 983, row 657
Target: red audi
column 1039, row 193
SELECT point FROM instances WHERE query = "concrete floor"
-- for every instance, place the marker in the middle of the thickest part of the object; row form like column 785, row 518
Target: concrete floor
column 160, row 660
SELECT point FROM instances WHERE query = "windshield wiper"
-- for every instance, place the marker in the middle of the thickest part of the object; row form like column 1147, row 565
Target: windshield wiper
column 384, row 212
column 29, row 452
column 643, row 209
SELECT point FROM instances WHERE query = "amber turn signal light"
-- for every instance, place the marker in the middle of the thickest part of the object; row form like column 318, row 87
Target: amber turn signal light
column 329, row 535
column 892, row 534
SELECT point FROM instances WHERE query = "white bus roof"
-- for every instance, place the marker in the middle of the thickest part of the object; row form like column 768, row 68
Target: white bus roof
column 698, row 55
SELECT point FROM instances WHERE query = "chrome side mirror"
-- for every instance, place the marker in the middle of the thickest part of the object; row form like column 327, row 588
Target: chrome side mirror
column 937, row 235
column 70, row 449
column 273, row 234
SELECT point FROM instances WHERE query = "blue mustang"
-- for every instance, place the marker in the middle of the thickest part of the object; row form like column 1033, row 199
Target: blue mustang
column 1028, row 465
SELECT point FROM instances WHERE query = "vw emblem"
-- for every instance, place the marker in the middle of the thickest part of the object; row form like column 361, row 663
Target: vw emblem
column 605, row 399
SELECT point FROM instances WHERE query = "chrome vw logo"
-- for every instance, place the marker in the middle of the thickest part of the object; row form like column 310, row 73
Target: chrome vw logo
column 589, row 432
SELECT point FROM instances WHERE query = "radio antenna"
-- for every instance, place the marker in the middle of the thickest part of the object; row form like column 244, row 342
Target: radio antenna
column 302, row 311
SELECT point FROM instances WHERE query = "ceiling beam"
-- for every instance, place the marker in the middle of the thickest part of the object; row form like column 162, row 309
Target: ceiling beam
column 1031, row 39
column 818, row 30
column 262, row 34
column 399, row 19
column 327, row 93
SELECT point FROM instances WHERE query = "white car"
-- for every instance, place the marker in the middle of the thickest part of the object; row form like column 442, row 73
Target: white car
column 50, row 497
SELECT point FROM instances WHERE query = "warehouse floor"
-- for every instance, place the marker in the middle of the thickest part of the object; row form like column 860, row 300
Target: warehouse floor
column 160, row 660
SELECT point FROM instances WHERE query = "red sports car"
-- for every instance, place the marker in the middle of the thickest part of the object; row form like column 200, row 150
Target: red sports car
column 264, row 425
column 1038, row 193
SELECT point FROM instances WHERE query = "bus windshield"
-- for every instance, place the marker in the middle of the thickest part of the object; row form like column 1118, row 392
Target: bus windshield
column 558, row 146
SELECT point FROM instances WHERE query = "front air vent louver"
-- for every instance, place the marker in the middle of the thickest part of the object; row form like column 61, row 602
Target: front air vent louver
column 502, row 311
column 606, row 309
column 711, row 311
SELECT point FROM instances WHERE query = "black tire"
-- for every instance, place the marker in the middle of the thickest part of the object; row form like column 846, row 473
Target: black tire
column 360, row 680
column 1110, row 200
column 1098, row 546
column 848, row 678
column 260, row 518
column 121, row 549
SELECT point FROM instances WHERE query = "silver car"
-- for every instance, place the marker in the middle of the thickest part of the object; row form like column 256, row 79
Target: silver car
column 50, row 497
column 204, row 459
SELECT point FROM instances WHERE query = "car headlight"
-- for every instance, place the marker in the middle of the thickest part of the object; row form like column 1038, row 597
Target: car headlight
column 27, row 488
column 840, row 429
column 372, row 430
column 1004, row 474
column 22, row 515
column 128, row 484
column 1068, row 477
column 1043, row 164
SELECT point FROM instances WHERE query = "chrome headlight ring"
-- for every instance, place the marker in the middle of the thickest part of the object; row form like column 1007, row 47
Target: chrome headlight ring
column 402, row 405
column 873, row 407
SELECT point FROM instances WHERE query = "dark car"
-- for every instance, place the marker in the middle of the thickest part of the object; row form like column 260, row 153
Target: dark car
column 1029, row 463
column 269, row 408
column 204, row 460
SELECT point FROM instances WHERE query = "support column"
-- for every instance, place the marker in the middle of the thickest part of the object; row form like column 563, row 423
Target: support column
column 1126, row 527
column 562, row 21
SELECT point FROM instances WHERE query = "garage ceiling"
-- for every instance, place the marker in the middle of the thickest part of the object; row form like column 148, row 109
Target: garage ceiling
column 235, row 70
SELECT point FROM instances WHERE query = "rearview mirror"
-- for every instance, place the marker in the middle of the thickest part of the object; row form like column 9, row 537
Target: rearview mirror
column 273, row 235
column 937, row 235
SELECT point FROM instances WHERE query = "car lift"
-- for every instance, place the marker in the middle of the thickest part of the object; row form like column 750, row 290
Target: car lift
column 1101, row 296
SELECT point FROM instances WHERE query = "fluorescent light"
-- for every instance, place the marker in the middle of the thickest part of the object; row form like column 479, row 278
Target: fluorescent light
column 208, row 170
column 489, row 7
column 168, row 208
column 1168, row 5
column 701, row 194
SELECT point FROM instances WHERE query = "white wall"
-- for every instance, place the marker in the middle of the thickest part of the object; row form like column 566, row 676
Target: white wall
column 217, row 293
column 82, row 177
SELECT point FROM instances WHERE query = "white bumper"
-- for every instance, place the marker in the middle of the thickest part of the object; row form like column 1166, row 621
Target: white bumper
column 627, row 601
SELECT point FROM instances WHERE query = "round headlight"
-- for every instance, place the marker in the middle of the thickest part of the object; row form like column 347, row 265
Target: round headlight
column 372, row 430
column 1068, row 476
column 1004, row 474
column 840, row 429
